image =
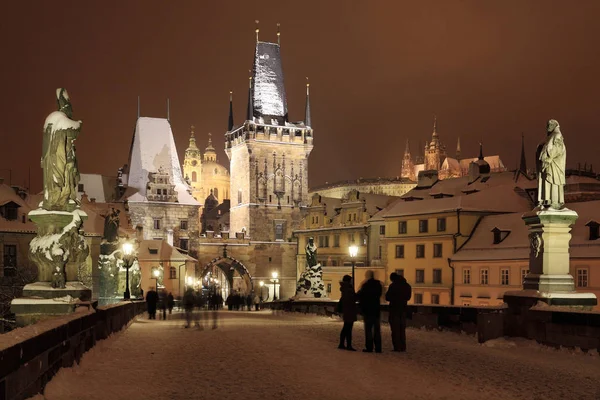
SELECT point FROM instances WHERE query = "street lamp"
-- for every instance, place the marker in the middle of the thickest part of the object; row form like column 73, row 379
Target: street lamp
column 156, row 275
column 262, row 284
column 190, row 281
column 274, row 275
column 128, row 258
column 353, row 252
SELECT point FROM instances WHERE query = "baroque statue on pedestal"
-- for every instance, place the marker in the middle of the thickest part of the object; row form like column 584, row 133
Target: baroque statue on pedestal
column 551, row 159
column 59, row 162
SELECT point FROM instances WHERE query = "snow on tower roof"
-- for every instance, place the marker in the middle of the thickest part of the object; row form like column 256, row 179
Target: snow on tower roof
column 268, row 94
column 154, row 147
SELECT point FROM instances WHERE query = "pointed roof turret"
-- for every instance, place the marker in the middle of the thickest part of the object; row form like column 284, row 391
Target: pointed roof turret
column 192, row 145
column 458, row 149
column 434, row 126
column 268, row 89
column 407, row 150
column 209, row 153
column 523, row 164
column 307, row 119
column 230, row 122
column 480, row 151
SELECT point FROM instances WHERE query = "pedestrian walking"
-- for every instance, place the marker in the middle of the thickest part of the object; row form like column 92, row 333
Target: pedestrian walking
column 256, row 302
column 398, row 294
column 163, row 304
column 188, row 305
column 369, row 297
column 170, row 302
column 151, row 300
column 349, row 312
column 249, row 302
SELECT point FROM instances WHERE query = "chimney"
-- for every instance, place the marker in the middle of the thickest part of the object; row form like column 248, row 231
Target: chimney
column 170, row 236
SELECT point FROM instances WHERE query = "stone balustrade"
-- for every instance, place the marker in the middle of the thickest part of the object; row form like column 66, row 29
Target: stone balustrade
column 30, row 356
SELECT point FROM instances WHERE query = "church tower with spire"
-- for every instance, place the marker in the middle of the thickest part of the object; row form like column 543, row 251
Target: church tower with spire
column 192, row 166
column 435, row 152
column 408, row 167
column 268, row 155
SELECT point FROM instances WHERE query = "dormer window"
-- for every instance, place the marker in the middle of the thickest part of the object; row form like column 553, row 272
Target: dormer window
column 594, row 230
column 9, row 210
column 499, row 235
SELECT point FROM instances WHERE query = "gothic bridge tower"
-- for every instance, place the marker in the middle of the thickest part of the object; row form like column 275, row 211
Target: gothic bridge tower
column 268, row 155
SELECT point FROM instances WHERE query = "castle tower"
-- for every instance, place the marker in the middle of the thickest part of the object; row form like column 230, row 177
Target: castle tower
column 192, row 166
column 435, row 152
column 268, row 155
column 408, row 167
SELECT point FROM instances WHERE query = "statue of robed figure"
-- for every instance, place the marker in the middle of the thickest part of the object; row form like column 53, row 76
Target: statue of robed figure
column 551, row 158
column 59, row 162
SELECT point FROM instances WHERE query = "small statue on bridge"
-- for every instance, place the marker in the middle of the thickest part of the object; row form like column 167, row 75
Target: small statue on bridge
column 551, row 159
column 311, row 283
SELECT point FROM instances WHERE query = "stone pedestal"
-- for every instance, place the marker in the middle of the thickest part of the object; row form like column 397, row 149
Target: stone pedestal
column 549, row 279
column 310, row 285
column 58, row 250
column 40, row 301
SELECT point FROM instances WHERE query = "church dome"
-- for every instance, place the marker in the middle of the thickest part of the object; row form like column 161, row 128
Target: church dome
column 211, row 202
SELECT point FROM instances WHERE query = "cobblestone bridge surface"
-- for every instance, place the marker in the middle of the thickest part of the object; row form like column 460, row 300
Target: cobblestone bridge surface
column 258, row 355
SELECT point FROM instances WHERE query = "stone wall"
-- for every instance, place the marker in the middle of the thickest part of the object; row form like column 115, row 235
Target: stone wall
column 552, row 326
column 30, row 356
column 171, row 215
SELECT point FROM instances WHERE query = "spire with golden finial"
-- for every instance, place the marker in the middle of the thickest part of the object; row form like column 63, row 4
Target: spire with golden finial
column 256, row 29
column 278, row 35
column 209, row 153
column 307, row 118
column 230, row 122
column 250, row 113
column 192, row 145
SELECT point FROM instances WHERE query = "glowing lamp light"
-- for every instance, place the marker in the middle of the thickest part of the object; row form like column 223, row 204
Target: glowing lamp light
column 274, row 275
column 262, row 283
column 190, row 280
column 127, row 248
column 353, row 251
column 156, row 273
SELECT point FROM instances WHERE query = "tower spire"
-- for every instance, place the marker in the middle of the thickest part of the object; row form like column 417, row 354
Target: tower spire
column 458, row 149
column 307, row 119
column 480, row 151
column 434, row 124
column 250, row 113
column 278, row 35
column 230, row 122
column 256, row 30
column 168, row 110
column 523, row 165
column 407, row 150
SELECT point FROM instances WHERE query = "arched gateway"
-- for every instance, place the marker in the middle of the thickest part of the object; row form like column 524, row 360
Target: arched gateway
column 233, row 275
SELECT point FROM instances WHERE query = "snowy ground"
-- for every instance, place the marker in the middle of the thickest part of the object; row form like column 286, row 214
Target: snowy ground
column 257, row 355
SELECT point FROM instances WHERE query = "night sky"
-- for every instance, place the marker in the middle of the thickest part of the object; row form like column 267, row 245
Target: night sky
column 379, row 71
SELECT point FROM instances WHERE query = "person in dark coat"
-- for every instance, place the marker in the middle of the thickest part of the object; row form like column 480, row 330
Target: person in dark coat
column 398, row 294
column 349, row 312
column 162, row 301
column 151, row 300
column 369, row 297
column 170, row 302
column 189, row 301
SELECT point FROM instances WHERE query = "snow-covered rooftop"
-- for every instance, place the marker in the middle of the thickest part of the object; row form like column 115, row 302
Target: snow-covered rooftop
column 154, row 147
column 515, row 245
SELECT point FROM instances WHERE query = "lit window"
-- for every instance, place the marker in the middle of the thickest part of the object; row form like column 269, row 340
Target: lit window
column 399, row 251
column 484, row 276
column 582, row 277
column 504, row 275
column 437, row 250
column 466, row 276
column 420, row 276
column 420, row 251
column 437, row 276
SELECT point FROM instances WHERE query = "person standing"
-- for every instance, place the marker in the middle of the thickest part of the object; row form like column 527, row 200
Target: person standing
column 256, row 302
column 151, row 300
column 188, row 304
column 398, row 294
column 349, row 312
column 170, row 302
column 369, row 297
column 163, row 304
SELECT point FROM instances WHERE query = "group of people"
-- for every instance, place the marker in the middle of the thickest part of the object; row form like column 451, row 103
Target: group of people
column 237, row 301
column 163, row 300
column 369, row 301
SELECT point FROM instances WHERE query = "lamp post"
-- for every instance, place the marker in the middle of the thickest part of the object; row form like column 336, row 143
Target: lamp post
column 353, row 250
column 128, row 258
column 274, row 275
column 262, row 284
column 156, row 275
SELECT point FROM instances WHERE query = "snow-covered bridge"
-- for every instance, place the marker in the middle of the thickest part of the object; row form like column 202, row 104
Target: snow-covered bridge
column 257, row 355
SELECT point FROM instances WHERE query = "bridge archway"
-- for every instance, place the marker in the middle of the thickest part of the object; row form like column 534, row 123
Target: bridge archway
column 226, row 274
